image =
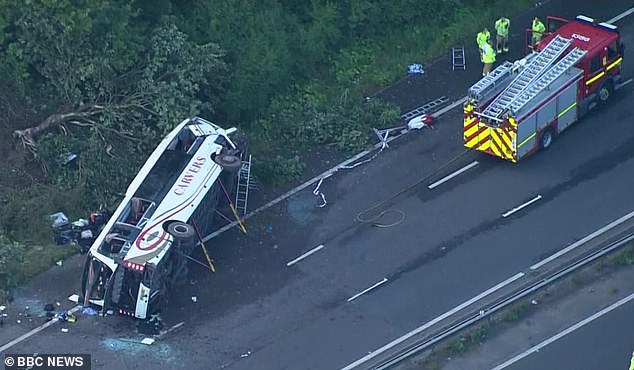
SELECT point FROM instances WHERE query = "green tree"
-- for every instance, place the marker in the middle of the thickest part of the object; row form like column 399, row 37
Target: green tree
column 108, row 89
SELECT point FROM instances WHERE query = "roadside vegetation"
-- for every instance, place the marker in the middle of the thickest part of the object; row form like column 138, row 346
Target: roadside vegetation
column 105, row 80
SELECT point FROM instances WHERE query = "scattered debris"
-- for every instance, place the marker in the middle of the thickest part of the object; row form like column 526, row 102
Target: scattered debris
column 64, row 330
column 3, row 314
column 161, row 352
column 318, row 192
column 147, row 341
column 69, row 159
column 383, row 134
column 415, row 69
column 59, row 220
column 194, row 299
column 245, row 354
column 417, row 123
column 59, row 263
column 153, row 326
column 49, row 309
column 73, row 298
column 67, row 317
column 163, row 334
column 81, row 232
column 88, row 311
column 430, row 106
column 533, row 302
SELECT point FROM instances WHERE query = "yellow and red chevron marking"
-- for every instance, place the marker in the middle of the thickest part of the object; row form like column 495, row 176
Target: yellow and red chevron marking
column 498, row 141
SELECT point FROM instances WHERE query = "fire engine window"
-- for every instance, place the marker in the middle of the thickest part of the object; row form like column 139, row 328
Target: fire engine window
column 612, row 50
column 595, row 64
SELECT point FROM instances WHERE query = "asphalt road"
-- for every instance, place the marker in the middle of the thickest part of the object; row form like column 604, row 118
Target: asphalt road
column 604, row 343
column 590, row 310
column 259, row 313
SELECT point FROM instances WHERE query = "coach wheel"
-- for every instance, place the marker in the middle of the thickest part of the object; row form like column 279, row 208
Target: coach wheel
column 228, row 162
column 181, row 230
column 546, row 139
column 605, row 92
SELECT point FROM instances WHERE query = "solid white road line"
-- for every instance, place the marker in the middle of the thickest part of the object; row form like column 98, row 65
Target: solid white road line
column 582, row 241
column 508, row 213
column 564, row 333
column 35, row 331
column 621, row 16
column 624, row 83
column 451, row 176
column 432, row 322
column 367, row 290
column 290, row 263
column 451, row 106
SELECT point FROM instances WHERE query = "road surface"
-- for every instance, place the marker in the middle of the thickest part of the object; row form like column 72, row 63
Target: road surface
column 368, row 284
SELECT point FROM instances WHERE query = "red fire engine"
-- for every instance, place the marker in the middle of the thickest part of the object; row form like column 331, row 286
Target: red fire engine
column 521, row 106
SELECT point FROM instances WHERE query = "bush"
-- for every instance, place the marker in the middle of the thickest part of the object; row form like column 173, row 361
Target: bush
column 279, row 170
column 11, row 258
column 25, row 215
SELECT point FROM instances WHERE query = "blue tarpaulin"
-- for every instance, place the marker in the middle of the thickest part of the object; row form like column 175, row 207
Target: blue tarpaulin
column 415, row 69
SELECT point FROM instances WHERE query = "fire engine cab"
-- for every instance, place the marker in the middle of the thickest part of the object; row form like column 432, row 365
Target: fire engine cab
column 521, row 106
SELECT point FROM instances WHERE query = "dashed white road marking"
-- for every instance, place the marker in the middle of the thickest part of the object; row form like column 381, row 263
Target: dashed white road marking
column 579, row 242
column 290, row 263
column 508, row 213
column 456, row 173
column 367, row 290
column 560, row 335
column 403, row 338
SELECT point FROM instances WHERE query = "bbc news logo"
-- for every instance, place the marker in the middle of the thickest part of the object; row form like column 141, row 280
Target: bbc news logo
column 47, row 362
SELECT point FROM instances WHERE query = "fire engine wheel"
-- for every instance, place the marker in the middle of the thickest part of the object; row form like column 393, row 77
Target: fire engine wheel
column 228, row 162
column 181, row 230
column 546, row 139
column 605, row 92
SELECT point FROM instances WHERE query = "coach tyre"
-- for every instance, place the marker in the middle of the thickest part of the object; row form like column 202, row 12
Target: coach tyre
column 228, row 162
column 547, row 138
column 181, row 231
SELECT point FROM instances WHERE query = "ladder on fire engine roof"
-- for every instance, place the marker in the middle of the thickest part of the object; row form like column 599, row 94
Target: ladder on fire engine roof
column 490, row 81
column 245, row 183
column 532, row 72
column 547, row 78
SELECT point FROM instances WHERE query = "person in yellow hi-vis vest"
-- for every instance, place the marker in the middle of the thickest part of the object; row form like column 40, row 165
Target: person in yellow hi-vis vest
column 632, row 362
column 488, row 58
column 538, row 31
column 482, row 38
column 502, row 26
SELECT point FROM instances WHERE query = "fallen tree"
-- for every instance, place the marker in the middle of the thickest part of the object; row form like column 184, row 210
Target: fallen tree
column 104, row 83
